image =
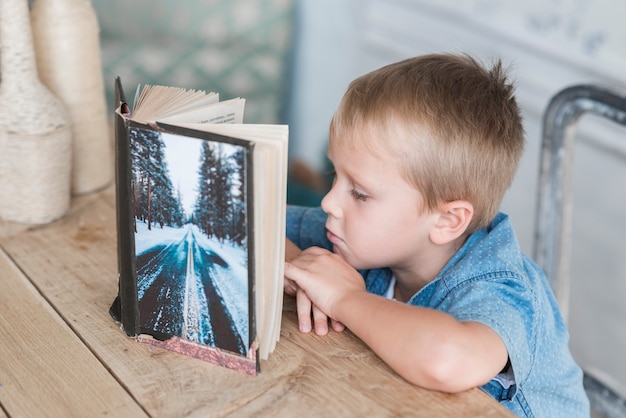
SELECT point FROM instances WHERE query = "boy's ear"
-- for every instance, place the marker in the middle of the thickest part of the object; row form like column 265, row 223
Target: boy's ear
column 454, row 218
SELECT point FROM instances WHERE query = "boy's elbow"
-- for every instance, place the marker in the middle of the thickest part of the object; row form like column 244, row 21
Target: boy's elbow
column 443, row 379
column 436, row 377
column 441, row 373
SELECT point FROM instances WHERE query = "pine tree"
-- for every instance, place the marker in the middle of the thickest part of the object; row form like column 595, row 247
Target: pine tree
column 205, row 205
column 154, row 198
column 219, row 209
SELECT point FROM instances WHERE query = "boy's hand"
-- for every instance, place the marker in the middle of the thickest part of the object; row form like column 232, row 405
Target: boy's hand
column 322, row 278
column 307, row 311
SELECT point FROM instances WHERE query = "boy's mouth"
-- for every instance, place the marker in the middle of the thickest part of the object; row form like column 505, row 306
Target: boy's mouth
column 332, row 237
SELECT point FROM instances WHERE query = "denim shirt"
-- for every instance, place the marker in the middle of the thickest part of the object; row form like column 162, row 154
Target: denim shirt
column 489, row 280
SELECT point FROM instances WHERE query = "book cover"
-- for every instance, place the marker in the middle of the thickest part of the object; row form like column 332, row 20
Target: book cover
column 186, row 244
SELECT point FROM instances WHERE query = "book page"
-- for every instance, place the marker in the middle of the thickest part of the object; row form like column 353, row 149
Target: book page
column 228, row 111
column 270, row 174
column 157, row 102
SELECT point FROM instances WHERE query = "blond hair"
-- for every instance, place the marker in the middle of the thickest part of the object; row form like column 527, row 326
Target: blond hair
column 454, row 126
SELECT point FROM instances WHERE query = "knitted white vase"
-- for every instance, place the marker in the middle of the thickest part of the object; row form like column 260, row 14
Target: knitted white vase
column 67, row 45
column 35, row 136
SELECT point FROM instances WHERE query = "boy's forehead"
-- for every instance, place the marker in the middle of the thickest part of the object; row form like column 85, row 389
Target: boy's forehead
column 364, row 136
column 374, row 140
column 348, row 143
column 358, row 156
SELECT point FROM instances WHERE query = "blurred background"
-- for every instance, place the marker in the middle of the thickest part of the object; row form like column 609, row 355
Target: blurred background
column 292, row 60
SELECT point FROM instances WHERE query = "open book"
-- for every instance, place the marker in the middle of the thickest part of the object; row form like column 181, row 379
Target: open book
column 201, row 200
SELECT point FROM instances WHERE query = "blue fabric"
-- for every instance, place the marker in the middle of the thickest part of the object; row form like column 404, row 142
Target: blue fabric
column 489, row 280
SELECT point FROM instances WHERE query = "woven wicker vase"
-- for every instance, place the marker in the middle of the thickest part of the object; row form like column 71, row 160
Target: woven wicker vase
column 35, row 136
column 67, row 49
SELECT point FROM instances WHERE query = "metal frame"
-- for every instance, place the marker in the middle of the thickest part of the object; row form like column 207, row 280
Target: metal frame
column 553, row 228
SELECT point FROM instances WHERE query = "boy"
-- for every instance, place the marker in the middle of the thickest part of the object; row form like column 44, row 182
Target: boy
column 423, row 268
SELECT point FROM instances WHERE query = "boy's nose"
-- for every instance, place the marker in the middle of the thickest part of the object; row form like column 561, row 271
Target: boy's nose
column 329, row 204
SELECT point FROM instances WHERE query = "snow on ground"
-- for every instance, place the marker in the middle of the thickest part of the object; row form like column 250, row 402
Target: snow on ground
column 145, row 238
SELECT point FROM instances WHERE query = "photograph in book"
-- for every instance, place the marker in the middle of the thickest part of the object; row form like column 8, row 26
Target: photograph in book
column 201, row 207
column 191, row 233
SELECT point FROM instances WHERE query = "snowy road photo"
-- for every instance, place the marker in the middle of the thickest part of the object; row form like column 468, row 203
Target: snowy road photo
column 190, row 221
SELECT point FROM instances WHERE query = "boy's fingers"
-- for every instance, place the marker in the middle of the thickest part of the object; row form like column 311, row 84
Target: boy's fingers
column 290, row 287
column 292, row 272
column 337, row 326
column 296, row 274
column 320, row 320
column 303, row 306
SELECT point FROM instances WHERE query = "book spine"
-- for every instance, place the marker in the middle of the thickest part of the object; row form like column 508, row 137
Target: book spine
column 129, row 309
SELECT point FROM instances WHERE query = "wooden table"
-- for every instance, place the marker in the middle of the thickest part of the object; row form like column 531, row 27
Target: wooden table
column 61, row 354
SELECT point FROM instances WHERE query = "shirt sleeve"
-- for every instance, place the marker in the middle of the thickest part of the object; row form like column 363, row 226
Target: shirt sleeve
column 306, row 227
column 505, row 304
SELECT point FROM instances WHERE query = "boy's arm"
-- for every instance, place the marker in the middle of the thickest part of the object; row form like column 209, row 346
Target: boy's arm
column 291, row 250
column 427, row 347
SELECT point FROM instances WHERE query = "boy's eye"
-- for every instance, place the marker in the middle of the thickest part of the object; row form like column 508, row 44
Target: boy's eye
column 359, row 196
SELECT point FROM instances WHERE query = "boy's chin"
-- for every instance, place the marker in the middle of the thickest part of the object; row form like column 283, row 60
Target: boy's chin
column 348, row 258
column 337, row 250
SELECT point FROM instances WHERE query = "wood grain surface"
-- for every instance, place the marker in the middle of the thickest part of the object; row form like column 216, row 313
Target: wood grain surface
column 61, row 354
